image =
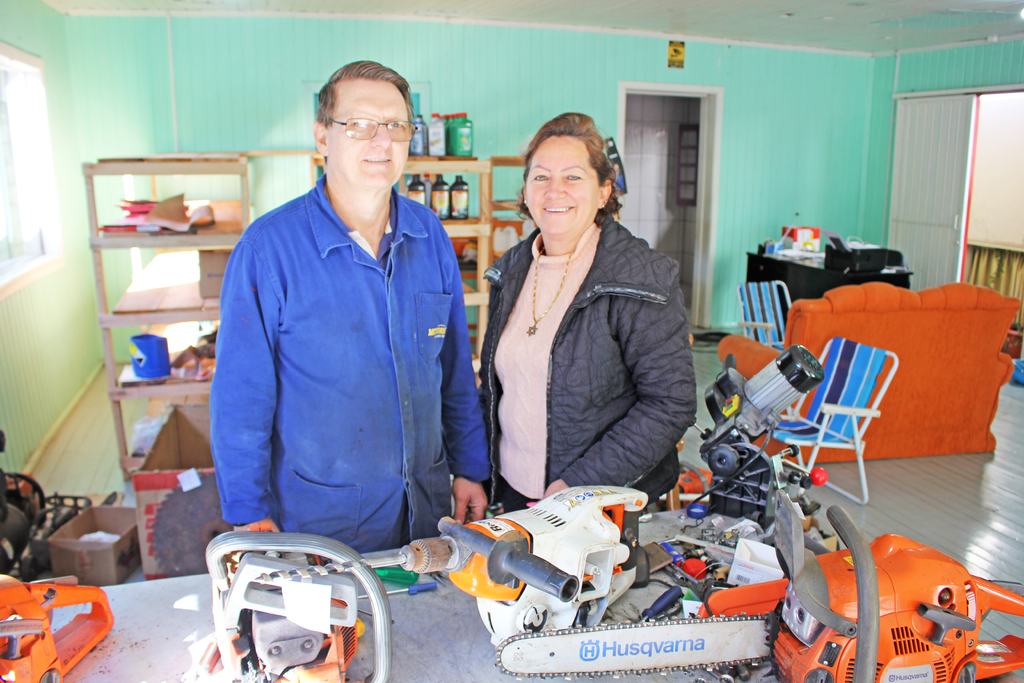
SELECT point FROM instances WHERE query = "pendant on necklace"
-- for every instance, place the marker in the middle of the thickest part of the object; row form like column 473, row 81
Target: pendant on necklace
column 531, row 331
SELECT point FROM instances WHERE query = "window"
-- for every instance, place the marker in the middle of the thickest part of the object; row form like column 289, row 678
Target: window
column 29, row 222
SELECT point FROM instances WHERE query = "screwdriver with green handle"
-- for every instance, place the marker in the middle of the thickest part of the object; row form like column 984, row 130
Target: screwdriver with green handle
column 397, row 575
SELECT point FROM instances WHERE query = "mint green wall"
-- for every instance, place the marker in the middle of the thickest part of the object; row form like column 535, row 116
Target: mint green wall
column 50, row 342
column 963, row 67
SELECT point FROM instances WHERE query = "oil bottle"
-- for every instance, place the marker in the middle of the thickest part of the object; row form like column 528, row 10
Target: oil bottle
column 435, row 136
column 440, row 198
column 418, row 144
column 460, row 198
column 417, row 190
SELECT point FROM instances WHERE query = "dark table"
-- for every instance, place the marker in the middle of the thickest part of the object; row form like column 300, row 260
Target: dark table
column 809, row 279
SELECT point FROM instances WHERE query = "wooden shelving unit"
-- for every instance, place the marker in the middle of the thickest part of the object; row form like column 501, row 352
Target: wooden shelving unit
column 169, row 304
column 505, row 204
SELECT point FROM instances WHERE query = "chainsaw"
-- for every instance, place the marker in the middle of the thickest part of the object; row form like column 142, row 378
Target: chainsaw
column 29, row 651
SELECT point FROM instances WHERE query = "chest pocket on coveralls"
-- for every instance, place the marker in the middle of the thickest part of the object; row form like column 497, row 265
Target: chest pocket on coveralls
column 432, row 311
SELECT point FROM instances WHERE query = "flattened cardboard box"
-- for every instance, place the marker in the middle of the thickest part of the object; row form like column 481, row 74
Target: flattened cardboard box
column 175, row 525
column 97, row 563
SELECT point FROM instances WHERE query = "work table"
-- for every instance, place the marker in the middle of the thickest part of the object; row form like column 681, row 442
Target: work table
column 163, row 627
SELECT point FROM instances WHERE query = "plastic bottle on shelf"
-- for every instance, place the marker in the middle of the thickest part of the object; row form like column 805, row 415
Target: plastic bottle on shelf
column 428, row 185
column 449, row 145
column 435, row 136
column 461, row 136
column 418, row 144
column 440, row 198
column 460, row 198
column 417, row 191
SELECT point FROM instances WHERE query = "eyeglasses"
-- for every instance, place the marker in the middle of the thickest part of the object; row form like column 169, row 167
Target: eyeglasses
column 366, row 129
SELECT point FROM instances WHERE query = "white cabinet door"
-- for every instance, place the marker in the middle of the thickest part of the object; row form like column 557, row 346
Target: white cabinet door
column 929, row 187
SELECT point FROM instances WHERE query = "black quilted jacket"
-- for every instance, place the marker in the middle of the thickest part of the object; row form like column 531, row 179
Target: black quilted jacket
column 621, row 389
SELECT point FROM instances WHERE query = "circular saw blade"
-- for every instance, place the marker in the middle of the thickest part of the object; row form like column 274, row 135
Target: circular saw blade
column 184, row 525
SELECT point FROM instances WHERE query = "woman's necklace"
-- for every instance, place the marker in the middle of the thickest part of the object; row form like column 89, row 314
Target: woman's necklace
column 532, row 330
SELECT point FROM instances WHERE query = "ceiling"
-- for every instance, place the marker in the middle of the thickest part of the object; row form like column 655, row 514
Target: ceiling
column 861, row 26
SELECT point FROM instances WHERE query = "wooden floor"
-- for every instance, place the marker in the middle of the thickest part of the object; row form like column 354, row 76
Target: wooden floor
column 82, row 458
column 970, row 507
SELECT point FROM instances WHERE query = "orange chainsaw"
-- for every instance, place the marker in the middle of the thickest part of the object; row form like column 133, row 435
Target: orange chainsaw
column 912, row 611
column 28, row 649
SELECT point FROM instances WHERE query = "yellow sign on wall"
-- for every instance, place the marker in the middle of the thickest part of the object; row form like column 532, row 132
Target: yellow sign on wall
column 676, row 54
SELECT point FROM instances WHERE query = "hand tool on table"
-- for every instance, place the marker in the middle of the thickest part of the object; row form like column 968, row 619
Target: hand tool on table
column 662, row 603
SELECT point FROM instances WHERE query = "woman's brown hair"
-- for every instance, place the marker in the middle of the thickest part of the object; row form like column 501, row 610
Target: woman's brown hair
column 582, row 128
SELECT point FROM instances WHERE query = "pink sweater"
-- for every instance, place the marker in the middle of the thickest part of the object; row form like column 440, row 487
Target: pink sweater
column 521, row 362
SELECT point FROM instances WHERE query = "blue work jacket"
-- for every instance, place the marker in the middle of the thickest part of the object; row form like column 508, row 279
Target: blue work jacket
column 344, row 386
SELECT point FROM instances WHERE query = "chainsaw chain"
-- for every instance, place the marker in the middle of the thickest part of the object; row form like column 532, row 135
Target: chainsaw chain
column 621, row 627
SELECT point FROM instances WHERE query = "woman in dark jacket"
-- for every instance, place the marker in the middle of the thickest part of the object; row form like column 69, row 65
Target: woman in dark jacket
column 586, row 372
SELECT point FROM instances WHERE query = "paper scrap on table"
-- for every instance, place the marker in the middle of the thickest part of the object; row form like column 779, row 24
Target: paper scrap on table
column 189, row 479
column 308, row 605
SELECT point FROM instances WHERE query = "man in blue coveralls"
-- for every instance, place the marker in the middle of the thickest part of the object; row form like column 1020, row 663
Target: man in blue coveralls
column 344, row 396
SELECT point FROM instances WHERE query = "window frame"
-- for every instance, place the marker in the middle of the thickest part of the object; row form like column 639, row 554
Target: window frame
column 16, row 276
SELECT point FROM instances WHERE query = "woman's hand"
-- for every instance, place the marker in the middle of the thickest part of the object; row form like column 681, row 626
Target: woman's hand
column 554, row 488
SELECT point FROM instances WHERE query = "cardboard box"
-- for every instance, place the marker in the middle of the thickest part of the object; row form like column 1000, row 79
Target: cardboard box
column 177, row 522
column 97, row 563
column 804, row 237
column 211, row 271
column 754, row 563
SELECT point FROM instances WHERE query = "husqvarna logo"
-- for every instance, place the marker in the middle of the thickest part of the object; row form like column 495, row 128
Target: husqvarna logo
column 910, row 674
column 591, row 650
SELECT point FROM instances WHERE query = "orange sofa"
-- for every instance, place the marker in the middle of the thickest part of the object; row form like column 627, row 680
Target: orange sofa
column 944, row 395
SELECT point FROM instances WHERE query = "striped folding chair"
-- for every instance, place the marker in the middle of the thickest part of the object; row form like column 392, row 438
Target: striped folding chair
column 840, row 413
column 764, row 306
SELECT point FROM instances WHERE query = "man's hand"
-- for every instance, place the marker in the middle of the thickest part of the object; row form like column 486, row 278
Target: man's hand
column 262, row 525
column 469, row 497
column 555, row 486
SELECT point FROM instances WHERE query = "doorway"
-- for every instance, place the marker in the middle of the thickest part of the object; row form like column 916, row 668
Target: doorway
column 668, row 137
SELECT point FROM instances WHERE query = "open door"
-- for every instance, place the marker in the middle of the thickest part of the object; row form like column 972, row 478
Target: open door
column 931, row 160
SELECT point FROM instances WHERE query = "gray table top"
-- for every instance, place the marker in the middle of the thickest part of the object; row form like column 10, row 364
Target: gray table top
column 162, row 628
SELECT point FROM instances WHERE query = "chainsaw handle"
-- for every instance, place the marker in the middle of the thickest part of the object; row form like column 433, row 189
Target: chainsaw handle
column 507, row 559
column 335, row 551
column 868, row 612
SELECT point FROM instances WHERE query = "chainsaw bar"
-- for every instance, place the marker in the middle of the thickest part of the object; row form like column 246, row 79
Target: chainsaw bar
column 638, row 648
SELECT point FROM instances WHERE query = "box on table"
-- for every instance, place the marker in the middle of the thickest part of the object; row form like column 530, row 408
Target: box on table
column 754, row 562
column 211, row 271
column 177, row 522
column 97, row 563
column 803, row 236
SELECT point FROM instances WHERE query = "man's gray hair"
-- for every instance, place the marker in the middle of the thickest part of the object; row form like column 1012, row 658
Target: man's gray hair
column 367, row 71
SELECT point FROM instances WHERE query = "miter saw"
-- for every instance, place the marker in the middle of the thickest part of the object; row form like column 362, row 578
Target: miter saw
column 743, row 412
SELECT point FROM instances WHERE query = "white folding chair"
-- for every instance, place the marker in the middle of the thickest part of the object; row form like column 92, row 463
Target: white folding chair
column 839, row 413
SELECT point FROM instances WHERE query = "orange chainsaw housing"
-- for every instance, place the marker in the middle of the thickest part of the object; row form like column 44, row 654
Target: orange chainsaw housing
column 909, row 574
column 28, row 649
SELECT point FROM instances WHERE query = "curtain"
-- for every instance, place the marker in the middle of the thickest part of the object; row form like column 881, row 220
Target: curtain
column 1000, row 269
